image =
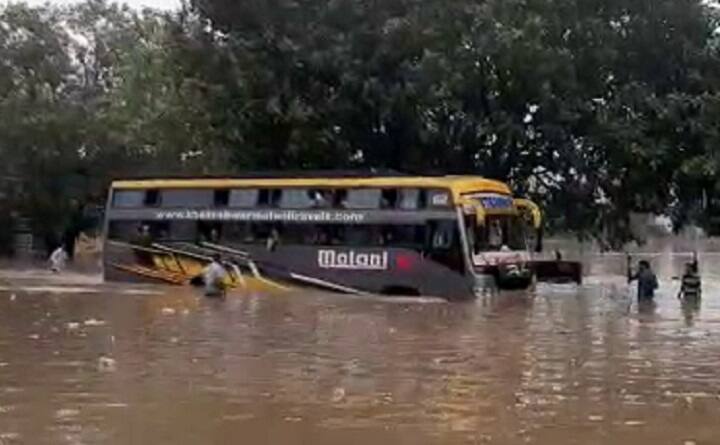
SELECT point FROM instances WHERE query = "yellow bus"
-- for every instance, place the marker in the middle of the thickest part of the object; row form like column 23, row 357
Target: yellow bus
column 445, row 236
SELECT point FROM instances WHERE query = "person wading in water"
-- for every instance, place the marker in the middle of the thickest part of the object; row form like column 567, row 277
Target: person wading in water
column 647, row 281
column 691, row 287
column 214, row 277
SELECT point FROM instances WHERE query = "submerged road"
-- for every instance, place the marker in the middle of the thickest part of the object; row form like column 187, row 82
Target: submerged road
column 82, row 362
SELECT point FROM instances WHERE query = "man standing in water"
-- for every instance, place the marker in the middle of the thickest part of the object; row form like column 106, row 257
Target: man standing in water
column 647, row 281
column 214, row 277
column 691, row 287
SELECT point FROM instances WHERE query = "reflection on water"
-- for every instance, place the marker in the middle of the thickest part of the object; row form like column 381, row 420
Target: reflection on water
column 564, row 365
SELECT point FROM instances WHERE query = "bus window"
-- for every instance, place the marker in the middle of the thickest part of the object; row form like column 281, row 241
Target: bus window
column 297, row 234
column 403, row 236
column 269, row 197
column 363, row 236
column 260, row 232
column 408, row 236
column 296, row 199
column 221, row 198
column 470, row 232
column 340, row 198
column 209, row 232
column 363, row 199
column 321, row 235
column 501, row 233
column 309, row 235
column 182, row 231
column 389, row 199
column 411, row 236
column 495, row 235
column 410, row 199
column 237, row 233
column 139, row 232
column 320, row 199
column 128, row 198
column 152, row 198
column 158, row 229
column 438, row 198
column 445, row 246
column 187, row 198
column 243, row 198
column 122, row 230
column 442, row 235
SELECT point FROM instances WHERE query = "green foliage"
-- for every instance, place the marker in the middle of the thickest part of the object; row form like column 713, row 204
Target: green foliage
column 596, row 108
column 586, row 105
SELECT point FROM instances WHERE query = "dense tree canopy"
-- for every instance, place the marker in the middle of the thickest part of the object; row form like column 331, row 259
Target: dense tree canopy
column 598, row 108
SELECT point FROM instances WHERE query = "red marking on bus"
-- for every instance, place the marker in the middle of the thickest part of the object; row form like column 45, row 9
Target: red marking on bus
column 404, row 262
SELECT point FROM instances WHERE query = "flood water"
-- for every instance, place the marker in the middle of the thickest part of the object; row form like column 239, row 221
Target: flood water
column 88, row 363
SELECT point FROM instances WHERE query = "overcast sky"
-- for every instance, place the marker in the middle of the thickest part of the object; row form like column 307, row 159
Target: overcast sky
column 161, row 4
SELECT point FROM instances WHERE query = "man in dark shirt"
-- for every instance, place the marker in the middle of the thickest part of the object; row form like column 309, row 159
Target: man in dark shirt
column 691, row 287
column 647, row 281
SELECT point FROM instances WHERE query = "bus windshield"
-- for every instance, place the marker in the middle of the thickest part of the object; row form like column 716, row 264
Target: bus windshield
column 501, row 232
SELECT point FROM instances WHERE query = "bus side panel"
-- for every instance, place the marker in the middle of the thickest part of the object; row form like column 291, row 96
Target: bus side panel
column 374, row 270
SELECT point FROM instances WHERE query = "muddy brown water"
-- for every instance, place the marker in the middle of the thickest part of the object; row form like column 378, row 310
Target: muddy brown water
column 83, row 362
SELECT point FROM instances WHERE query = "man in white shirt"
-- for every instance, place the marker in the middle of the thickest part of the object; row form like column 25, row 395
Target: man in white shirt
column 58, row 259
column 214, row 277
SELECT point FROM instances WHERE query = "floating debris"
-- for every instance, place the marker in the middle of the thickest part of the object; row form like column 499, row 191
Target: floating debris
column 65, row 413
column 238, row 417
column 634, row 423
column 168, row 311
column 338, row 395
column 13, row 297
column 34, row 336
column 596, row 418
column 106, row 364
column 115, row 405
column 94, row 322
column 386, row 397
column 72, row 326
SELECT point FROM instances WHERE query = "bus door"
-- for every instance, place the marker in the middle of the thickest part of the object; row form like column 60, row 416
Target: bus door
column 443, row 244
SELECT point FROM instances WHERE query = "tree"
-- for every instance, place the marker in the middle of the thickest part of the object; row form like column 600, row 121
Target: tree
column 568, row 100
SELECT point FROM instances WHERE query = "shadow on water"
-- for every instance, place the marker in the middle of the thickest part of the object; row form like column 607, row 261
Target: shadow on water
column 562, row 365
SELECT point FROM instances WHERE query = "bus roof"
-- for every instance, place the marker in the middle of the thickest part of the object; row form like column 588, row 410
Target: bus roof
column 458, row 185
